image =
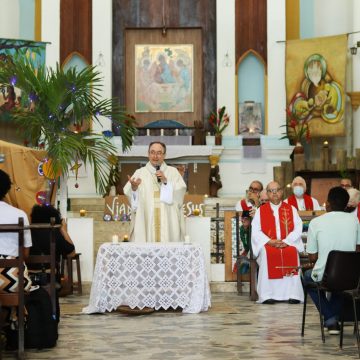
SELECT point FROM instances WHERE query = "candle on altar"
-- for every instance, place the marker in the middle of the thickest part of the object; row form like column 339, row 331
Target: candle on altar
column 82, row 212
column 126, row 238
column 187, row 239
column 196, row 212
column 115, row 239
column 326, row 143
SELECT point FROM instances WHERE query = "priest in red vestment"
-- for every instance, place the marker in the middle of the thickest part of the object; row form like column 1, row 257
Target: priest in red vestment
column 276, row 242
column 300, row 200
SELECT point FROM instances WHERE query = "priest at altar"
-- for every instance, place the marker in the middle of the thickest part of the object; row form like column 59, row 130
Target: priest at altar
column 300, row 200
column 276, row 242
column 156, row 193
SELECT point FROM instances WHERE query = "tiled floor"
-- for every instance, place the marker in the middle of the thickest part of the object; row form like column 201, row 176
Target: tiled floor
column 234, row 328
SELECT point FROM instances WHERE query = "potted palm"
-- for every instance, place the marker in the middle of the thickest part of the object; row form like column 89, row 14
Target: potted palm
column 57, row 111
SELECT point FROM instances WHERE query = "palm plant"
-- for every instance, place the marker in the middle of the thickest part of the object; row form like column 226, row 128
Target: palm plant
column 54, row 103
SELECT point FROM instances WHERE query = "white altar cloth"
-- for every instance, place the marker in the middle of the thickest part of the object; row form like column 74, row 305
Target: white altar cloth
column 152, row 275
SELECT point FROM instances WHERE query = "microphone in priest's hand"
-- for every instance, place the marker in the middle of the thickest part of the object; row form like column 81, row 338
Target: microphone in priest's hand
column 157, row 167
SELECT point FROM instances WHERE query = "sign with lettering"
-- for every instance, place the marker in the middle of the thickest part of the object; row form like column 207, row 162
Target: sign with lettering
column 192, row 202
column 117, row 207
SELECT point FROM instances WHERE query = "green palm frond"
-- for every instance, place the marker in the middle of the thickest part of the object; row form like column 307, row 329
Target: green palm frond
column 54, row 101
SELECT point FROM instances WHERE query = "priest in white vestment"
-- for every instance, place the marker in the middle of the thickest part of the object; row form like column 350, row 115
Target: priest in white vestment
column 156, row 193
column 276, row 241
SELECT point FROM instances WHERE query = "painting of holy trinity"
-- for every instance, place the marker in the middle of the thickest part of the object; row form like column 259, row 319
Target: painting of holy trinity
column 164, row 78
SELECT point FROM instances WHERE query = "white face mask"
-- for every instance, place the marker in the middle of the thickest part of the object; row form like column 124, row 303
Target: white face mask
column 298, row 191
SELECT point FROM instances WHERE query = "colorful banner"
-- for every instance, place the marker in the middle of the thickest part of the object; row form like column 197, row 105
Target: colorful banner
column 315, row 82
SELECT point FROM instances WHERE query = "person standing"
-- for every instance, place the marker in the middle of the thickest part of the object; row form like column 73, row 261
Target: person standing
column 335, row 230
column 276, row 241
column 156, row 193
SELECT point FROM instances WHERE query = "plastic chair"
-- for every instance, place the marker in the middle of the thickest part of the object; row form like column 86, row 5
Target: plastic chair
column 342, row 273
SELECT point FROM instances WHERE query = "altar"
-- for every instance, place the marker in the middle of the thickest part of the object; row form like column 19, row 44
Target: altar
column 155, row 275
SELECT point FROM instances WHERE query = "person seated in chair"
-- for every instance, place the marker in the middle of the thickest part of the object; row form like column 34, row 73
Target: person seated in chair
column 353, row 206
column 346, row 183
column 276, row 241
column 300, row 200
column 9, row 246
column 41, row 238
column 251, row 202
column 335, row 230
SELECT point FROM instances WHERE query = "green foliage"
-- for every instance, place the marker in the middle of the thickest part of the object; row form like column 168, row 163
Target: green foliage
column 56, row 103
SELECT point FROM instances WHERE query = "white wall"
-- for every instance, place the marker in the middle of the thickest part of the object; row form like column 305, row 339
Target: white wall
column 225, row 43
column 9, row 19
column 276, row 27
column 50, row 30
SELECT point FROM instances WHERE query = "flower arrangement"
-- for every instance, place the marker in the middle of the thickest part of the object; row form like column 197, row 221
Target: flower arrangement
column 219, row 120
column 297, row 127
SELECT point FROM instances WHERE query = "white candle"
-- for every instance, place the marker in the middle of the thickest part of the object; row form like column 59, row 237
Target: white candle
column 187, row 239
column 161, row 132
column 176, row 132
column 147, row 132
column 115, row 239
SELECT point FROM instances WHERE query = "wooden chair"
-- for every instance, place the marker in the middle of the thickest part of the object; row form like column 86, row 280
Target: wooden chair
column 18, row 298
column 70, row 284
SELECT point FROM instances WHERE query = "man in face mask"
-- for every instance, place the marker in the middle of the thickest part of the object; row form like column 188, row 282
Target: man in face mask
column 300, row 200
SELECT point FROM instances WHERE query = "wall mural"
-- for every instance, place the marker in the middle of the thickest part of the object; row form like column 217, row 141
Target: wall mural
column 315, row 80
column 10, row 96
column 164, row 78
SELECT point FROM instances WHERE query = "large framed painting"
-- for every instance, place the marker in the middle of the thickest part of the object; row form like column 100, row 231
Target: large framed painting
column 164, row 78
column 315, row 83
column 164, row 75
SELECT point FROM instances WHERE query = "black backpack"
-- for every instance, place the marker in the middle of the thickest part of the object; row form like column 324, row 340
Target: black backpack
column 41, row 327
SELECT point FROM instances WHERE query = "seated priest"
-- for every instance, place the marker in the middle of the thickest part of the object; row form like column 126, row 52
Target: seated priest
column 156, row 194
column 252, row 200
column 353, row 205
column 300, row 200
column 276, row 242
column 346, row 183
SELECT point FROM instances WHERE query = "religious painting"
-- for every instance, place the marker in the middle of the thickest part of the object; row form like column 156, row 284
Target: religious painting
column 250, row 121
column 164, row 78
column 10, row 96
column 315, row 80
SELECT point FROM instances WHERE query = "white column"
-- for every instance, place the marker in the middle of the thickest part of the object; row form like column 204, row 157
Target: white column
column 50, row 30
column 356, row 71
column 102, row 44
column 9, row 19
column 276, row 31
column 225, row 43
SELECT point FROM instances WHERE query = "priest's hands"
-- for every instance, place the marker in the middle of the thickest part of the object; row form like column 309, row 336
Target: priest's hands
column 277, row 243
column 135, row 182
column 160, row 175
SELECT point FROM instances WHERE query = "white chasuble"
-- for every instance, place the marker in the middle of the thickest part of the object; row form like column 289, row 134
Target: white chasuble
column 157, row 208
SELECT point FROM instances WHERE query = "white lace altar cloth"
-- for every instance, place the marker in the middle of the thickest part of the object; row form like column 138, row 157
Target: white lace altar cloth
column 149, row 275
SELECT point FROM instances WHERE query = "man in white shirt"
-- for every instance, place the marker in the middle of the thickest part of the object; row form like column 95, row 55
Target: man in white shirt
column 300, row 200
column 276, row 241
column 9, row 243
column 156, row 193
column 335, row 230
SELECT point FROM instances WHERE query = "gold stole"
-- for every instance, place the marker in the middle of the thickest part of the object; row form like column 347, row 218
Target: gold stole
column 157, row 212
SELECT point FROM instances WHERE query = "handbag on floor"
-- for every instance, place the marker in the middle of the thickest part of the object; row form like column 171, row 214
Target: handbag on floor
column 41, row 329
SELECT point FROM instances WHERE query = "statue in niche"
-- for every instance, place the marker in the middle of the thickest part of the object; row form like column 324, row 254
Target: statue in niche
column 250, row 121
column 214, row 178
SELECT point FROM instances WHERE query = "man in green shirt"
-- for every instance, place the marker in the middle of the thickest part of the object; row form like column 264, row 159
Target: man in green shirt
column 335, row 230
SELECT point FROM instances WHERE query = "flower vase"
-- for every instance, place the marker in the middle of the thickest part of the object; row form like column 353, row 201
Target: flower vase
column 218, row 139
column 299, row 149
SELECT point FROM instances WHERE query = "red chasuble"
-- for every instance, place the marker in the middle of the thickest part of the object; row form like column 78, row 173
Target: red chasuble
column 276, row 257
column 244, row 205
column 358, row 211
column 307, row 199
